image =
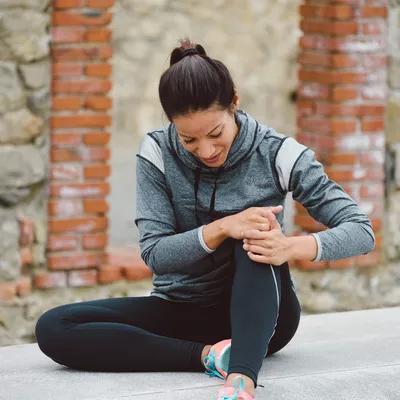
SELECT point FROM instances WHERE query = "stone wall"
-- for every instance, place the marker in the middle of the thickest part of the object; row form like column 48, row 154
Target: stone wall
column 257, row 40
column 24, row 108
column 393, row 137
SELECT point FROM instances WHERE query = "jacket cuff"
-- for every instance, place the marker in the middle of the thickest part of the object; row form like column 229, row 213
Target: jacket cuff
column 319, row 245
column 202, row 242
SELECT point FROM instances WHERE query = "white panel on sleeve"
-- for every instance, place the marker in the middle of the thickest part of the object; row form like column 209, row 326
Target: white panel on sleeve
column 287, row 156
column 151, row 151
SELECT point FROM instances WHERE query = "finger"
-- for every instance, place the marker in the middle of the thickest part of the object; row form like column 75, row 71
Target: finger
column 255, row 234
column 273, row 221
column 276, row 209
column 254, row 249
column 257, row 258
column 264, row 226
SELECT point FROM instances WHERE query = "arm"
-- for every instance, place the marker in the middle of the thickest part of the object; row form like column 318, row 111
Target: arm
column 162, row 249
column 350, row 232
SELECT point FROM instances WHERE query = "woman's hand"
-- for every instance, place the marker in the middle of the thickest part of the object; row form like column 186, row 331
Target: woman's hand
column 268, row 247
column 254, row 218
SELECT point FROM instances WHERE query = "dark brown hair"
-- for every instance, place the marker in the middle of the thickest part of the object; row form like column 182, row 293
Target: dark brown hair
column 194, row 82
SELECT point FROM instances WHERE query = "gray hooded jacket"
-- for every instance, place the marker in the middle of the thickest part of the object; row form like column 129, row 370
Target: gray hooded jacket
column 177, row 195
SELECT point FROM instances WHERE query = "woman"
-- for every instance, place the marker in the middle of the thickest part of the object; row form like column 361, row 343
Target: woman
column 211, row 188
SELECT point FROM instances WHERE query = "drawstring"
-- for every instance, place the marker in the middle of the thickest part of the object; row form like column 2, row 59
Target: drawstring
column 196, row 190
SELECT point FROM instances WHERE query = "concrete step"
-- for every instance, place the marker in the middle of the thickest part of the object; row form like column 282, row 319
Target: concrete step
column 342, row 356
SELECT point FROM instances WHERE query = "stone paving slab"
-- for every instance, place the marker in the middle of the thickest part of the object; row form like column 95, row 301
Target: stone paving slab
column 352, row 356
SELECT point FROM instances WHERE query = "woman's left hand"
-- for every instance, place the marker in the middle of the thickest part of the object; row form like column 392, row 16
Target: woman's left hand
column 268, row 247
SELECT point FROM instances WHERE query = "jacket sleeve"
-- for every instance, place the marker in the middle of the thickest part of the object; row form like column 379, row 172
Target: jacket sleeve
column 162, row 249
column 350, row 231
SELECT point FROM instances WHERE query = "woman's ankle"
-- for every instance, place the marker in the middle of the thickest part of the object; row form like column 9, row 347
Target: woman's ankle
column 249, row 386
column 205, row 353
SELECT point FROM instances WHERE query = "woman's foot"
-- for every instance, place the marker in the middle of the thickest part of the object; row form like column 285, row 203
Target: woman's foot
column 237, row 392
column 216, row 359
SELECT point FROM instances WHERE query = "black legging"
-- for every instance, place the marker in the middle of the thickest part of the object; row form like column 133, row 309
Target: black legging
column 153, row 334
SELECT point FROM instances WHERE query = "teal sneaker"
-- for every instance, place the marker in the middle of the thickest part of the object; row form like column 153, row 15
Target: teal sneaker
column 236, row 392
column 217, row 361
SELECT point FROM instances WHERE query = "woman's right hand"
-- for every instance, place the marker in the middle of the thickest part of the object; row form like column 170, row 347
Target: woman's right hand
column 252, row 218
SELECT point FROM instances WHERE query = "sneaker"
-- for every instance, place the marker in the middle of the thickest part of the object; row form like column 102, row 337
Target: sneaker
column 236, row 392
column 217, row 362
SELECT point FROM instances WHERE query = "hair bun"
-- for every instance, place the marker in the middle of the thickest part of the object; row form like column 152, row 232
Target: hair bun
column 186, row 48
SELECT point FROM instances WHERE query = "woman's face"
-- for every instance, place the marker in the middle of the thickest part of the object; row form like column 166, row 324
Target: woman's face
column 207, row 134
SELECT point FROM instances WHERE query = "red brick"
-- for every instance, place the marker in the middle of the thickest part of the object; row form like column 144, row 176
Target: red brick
column 377, row 224
column 80, row 121
column 95, row 206
column 341, row 44
column 335, row 11
column 87, row 224
column 67, row 35
column 95, row 241
column 346, row 263
column 8, row 290
column 378, row 242
column 78, row 19
column 98, row 35
column 343, row 93
column 27, row 231
column 135, row 273
column 65, row 172
column 66, row 69
column 372, row 259
column 307, row 139
column 344, row 61
column 333, row 77
column 334, row 109
column 74, row 261
column 313, row 91
column 66, row 139
column 314, row 58
column 314, row 124
column 66, row 103
column 372, row 125
column 373, row 28
column 88, row 86
column 343, row 126
column 100, row 70
column 81, row 53
column 305, row 107
column 96, row 138
column 373, row 109
column 50, row 280
column 350, row 175
column 310, row 265
column 26, row 256
column 24, row 286
column 68, row 3
column 98, row 103
column 308, row 223
column 100, row 171
column 109, row 273
column 82, row 278
column 100, row 3
column 65, row 207
column 309, row 11
column 91, row 154
column 372, row 12
column 329, row 27
column 62, row 243
column 78, row 190
column 341, row 158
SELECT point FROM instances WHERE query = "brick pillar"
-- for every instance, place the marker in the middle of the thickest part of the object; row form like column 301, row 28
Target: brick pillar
column 341, row 105
column 80, row 120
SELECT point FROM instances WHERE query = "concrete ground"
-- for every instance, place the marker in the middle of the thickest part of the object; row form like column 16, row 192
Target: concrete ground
column 341, row 356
